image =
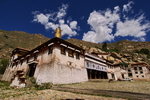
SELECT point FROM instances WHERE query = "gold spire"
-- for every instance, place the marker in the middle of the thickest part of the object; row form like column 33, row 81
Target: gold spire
column 58, row 32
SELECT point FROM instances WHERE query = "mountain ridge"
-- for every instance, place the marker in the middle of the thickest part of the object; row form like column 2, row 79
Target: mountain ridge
column 13, row 39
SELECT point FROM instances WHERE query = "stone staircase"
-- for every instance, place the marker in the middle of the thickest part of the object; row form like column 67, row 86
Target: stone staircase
column 19, row 79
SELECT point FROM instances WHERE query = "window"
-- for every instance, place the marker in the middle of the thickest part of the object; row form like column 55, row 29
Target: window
column 136, row 72
column 27, row 59
column 88, row 65
column 70, row 53
column 16, row 63
column 13, row 65
column 50, row 49
column 140, row 68
column 35, row 55
column 77, row 55
column 93, row 66
column 129, row 70
column 141, row 72
column 135, row 68
column 63, row 50
column 21, row 62
column 130, row 74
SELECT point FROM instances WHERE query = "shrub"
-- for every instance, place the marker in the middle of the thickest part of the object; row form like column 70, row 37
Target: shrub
column 45, row 86
column 3, row 65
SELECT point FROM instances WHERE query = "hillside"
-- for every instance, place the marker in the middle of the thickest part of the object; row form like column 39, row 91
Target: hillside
column 10, row 40
column 124, row 50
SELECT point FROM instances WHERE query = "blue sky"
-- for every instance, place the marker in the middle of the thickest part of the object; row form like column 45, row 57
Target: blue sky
column 90, row 20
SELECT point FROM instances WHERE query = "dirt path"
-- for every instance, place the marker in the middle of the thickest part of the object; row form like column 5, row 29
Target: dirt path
column 107, row 93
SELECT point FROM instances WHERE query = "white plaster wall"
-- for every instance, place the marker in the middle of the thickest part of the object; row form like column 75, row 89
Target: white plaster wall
column 109, row 75
column 117, row 72
column 66, row 72
column 55, row 68
column 145, row 71
column 45, row 68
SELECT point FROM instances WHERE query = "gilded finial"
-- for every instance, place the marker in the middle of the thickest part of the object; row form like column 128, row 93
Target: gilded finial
column 58, row 32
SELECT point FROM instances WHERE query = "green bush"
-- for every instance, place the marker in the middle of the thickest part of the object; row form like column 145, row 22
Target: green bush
column 44, row 86
column 3, row 65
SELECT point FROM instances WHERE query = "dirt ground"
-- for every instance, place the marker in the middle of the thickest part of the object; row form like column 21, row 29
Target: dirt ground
column 20, row 94
column 133, row 86
column 99, row 90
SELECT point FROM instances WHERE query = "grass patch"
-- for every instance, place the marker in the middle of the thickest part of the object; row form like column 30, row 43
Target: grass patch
column 134, row 86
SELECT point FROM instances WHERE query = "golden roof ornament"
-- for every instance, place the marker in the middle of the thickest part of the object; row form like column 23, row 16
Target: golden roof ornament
column 58, row 32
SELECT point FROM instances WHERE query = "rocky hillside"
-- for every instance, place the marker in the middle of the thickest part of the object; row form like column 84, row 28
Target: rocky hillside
column 10, row 40
column 125, row 50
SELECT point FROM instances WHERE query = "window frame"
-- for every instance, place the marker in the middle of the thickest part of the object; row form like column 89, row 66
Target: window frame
column 77, row 55
column 35, row 55
column 50, row 49
column 140, row 68
column 70, row 53
column 63, row 50
column 135, row 68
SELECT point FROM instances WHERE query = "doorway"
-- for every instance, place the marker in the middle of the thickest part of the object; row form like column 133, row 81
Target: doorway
column 31, row 70
column 95, row 74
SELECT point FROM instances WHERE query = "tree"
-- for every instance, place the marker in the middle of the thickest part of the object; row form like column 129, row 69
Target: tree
column 144, row 51
column 104, row 47
column 3, row 65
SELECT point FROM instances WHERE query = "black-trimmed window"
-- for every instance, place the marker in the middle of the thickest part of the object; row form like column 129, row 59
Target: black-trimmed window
column 87, row 63
column 140, row 68
column 63, row 50
column 77, row 55
column 141, row 72
column 70, row 53
column 13, row 65
column 135, row 68
column 130, row 74
column 16, row 64
column 129, row 70
column 27, row 59
column 50, row 49
column 136, row 72
column 21, row 61
column 35, row 55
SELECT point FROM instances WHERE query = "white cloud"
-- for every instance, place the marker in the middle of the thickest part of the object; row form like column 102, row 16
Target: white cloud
column 62, row 11
column 101, row 25
column 56, row 19
column 104, row 23
column 73, row 24
column 127, row 7
column 41, row 18
column 133, row 27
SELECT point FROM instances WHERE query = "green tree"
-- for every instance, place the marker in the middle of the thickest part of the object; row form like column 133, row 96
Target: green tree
column 104, row 47
column 3, row 65
column 144, row 51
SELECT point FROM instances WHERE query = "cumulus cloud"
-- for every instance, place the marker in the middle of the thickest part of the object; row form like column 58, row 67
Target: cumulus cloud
column 104, row 23
column 101, row 23
column 54, row 20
